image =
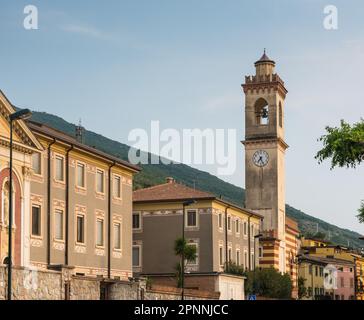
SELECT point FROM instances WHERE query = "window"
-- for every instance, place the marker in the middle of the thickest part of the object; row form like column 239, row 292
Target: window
column 36, row 221
column 59, row 168
column 58, row 220
column 80, row 228
column 260, row 252
column 230, row 254
column 221, row 256
column 310, row 269
column 117, row 236
column 246, row 260
column 238, row 257
column 81, row 175
column 245, row 228
column 252, row 261
column 280, row 115
column 237, row 226
column 252, row 234
column 99, row 181
column 136, row 256
column 309, row 291
column 136, row 221
column 262, row 112
column 99, row 232
column 229, row 223
column 341, row 282
column 36, row 163
column 321, row 271
column 191, row 218
column 117, row 187
column 220, row 220
column 316, row 271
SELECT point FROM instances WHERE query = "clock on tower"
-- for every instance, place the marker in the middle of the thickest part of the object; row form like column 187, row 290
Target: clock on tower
column 265, row 148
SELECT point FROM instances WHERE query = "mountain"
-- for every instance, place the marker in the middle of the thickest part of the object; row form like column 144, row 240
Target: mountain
column 155, row 174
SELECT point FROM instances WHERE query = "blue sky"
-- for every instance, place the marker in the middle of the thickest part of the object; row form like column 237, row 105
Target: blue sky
column 182, row 62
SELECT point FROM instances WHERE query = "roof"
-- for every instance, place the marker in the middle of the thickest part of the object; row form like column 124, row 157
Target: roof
column 325, row 260
column 171, row 191
column 67, row 139
column 264, row 59
column 317, row 240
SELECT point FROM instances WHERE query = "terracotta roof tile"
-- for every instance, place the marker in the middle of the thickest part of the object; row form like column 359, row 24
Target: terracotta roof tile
column 170, row 191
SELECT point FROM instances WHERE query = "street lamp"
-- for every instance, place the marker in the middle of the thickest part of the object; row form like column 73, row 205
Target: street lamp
column 19, row 115
column 185, row 204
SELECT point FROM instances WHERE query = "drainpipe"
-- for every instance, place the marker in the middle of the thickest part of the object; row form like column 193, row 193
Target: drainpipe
column 66, row 257
column 109, row 224
column 226, row 236
column 49, row 204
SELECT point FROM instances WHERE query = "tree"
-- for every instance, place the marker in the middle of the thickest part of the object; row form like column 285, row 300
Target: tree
column 232, row 268
column 344, row 145
column 181, row 248
column 361, row 213
column 302, row 290
column 270, row 283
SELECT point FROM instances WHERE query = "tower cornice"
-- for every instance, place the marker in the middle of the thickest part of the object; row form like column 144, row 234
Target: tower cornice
column 260, row 140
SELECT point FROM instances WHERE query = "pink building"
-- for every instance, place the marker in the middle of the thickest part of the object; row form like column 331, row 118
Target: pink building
column 345, row 280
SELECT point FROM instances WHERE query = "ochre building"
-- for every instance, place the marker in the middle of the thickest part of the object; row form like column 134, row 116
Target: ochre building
column 72, row 203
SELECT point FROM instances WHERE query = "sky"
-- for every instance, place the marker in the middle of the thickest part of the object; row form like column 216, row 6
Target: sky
column 118, row 65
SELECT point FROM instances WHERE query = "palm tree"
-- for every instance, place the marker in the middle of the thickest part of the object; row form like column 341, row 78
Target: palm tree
column 181, row 248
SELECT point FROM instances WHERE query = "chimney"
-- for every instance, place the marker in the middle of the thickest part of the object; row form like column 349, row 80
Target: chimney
column 169, row 180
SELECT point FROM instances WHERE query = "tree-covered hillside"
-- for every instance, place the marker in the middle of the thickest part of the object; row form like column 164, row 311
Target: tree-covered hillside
column 155, row 174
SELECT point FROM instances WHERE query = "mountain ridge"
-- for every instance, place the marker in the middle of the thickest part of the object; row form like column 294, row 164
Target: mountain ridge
column 155, row 174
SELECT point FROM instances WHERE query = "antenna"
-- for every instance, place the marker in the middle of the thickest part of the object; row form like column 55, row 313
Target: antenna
column 79, row 131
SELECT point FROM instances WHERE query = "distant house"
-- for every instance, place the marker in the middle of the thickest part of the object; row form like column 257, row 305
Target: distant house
column 327, row 277
column 221, row 232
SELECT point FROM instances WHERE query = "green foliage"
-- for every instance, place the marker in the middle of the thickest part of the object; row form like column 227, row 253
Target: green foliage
column 269, row 283
column 302, row 290
column 182, row 247
column 361, row 213
column 232, row 268
column 344, row 145
column 155, row 174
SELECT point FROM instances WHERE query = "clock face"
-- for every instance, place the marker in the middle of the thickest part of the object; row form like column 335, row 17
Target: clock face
column 260, row 158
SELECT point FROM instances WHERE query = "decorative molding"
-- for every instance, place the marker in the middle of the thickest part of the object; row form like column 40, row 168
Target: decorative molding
column 58, row 246
column 36, row 243
column 80, row 249
column 99, row 252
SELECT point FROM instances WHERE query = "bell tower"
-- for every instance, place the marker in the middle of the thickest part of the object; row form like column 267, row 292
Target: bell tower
column 265, row 148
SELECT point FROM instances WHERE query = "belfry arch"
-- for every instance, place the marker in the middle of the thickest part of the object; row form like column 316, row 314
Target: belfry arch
column 261, row 108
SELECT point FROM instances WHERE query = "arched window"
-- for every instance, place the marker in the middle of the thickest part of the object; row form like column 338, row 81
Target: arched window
column 262, row 112
column 5, row 204
column 280, row 116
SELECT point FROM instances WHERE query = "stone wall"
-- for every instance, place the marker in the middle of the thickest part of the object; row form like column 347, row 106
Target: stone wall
column 82, row 288
column 32, row 284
